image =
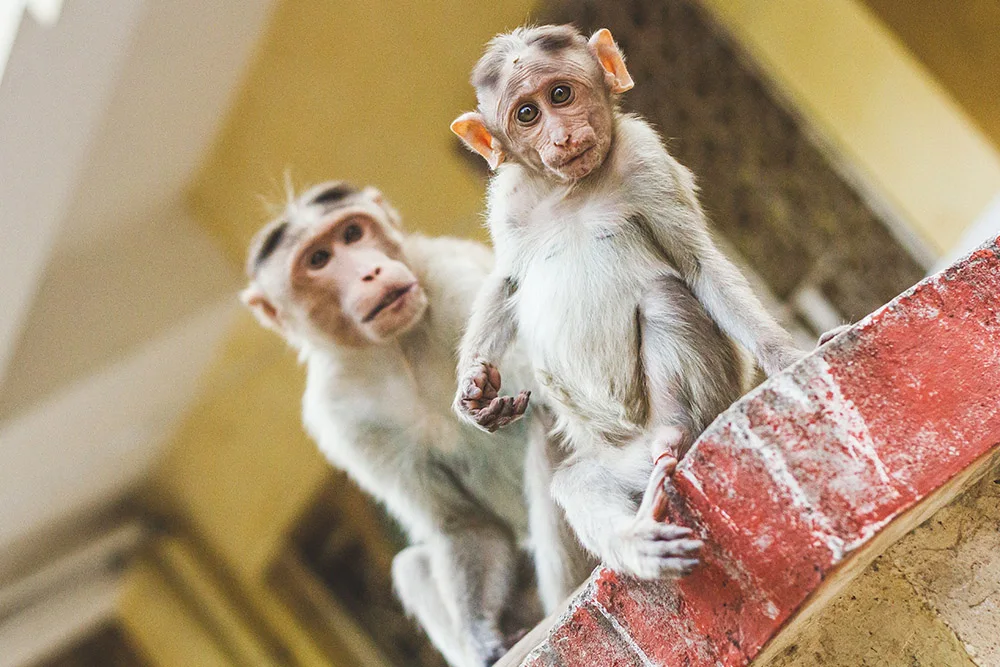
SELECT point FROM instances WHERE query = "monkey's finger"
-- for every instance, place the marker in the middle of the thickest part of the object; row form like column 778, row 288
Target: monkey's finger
column 666, row 441
column 479, row 379
column 521, row 402
column 471, row 390
column 508, row 407
column 673, row 548
column 486, row 420
column 665, row 467
column 502, row 422
column 661, row 505
column 489, row 389
column 666, row 531
column 826, row 337
column 678, row 566
column 655, row 487
column 490, row 412
column 472, row 407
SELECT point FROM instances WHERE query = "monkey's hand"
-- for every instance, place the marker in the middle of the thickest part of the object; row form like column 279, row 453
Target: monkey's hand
column 777, row 357
column 479, row 401
column 651, row 549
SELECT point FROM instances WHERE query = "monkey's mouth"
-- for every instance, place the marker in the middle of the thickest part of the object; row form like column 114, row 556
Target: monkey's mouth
column 577, row 158
column 388, row 300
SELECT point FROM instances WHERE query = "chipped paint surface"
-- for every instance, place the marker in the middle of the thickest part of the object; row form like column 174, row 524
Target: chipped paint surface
column 795, row 478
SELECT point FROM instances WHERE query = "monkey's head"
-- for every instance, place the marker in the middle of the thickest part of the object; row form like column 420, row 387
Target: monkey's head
column 331, row 269
column 546, row 100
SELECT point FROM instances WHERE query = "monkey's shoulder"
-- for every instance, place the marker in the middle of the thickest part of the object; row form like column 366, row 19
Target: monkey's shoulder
column 448, row 254
column 641, row 160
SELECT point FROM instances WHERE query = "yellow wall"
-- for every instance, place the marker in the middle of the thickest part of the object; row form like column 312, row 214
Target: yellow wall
column 357, row 90
column 856, row 82
column 959, row 42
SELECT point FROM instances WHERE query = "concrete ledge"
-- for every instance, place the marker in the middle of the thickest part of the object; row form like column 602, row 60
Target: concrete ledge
column 804, row 481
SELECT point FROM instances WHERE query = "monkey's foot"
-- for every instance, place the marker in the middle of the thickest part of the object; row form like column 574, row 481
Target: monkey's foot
column 654, row 550
column 654, row 499
column 666, row 441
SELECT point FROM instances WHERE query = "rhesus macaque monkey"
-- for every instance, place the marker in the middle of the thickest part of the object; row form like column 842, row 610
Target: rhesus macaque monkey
column 606, row 271
column 376, row 315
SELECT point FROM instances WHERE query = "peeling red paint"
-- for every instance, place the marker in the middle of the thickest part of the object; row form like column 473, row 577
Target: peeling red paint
column 803, row 471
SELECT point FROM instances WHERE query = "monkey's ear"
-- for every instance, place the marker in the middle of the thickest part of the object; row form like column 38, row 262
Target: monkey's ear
column 472, row 130
column 374, row 194
column 262, row 308
column 611, row 59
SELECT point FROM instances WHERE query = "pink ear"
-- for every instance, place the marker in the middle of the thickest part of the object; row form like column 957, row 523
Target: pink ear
column 612, row 61
column 472, row 130
column 262, row 308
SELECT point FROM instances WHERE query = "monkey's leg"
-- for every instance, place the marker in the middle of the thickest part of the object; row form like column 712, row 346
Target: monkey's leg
column 693, row 371
column 561, row 563
column 602, row 511
column 475, row 568
column 419, row 594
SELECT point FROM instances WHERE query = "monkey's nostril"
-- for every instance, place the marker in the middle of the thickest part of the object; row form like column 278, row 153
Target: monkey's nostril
column 378, row 270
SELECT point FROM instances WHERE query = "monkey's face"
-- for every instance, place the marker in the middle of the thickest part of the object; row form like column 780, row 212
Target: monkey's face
column 547, row 101
column 558, row 119
column 335, row 271
column 352, row 283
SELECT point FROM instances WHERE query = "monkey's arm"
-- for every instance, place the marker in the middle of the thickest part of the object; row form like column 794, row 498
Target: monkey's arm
column 458, row 576
column 489, row 333
column 678, row 227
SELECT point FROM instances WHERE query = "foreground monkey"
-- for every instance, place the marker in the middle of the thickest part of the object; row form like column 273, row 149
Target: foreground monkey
column 605, row 269
column 376, row 315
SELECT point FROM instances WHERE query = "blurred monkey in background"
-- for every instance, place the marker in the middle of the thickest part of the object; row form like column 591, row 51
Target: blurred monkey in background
column 376, row 315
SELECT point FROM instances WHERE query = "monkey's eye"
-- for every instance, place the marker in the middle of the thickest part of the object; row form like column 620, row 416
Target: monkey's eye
column 353, row 233
column 527, row 113
column 319, row 259
column 561, row 94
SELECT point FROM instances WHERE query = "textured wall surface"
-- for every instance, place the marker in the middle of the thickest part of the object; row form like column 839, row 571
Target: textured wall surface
column 800, row 484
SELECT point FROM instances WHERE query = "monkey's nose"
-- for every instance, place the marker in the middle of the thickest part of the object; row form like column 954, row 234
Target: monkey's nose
column 561, row 140
column 370, row 276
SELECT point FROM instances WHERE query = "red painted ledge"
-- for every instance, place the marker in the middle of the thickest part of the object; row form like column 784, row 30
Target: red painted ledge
column 800, row 484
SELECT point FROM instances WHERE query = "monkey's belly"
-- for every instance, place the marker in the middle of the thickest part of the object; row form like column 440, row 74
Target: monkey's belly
column 586, row 359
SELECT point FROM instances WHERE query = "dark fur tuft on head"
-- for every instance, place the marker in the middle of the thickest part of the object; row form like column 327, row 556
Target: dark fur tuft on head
column 333, row 194
column 265, row 242
column 549, row 38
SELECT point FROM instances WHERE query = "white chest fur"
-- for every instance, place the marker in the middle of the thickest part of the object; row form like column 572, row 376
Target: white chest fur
column 576, row 311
